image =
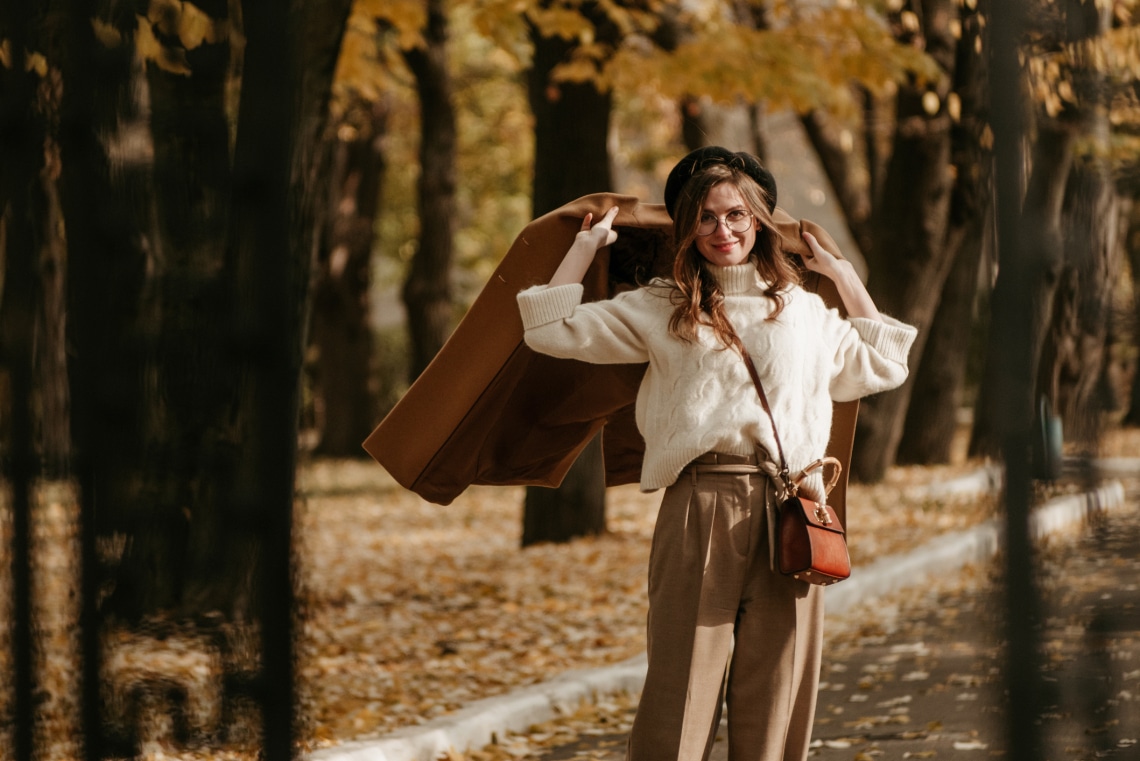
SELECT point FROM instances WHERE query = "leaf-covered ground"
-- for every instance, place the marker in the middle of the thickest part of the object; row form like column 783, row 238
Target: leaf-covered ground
column 411, row 610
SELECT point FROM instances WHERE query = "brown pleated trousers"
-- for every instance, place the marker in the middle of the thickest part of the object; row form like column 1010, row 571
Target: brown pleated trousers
column 724, row 627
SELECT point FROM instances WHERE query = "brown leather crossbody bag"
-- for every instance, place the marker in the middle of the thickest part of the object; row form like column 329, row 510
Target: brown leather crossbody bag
column 811, row 543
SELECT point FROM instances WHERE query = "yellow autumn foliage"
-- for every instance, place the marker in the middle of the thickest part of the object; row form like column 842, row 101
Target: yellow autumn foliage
column 807, row 62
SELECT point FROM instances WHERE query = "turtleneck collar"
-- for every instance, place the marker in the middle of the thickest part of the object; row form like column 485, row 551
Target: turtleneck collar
column 737, row 278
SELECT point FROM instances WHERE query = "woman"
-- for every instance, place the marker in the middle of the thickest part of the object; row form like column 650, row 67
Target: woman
column 723, row 624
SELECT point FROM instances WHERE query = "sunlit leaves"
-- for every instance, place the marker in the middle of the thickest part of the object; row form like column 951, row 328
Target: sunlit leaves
column 503, row 22
column 1095, row 75
column 186, row 22
column 406, row 17
column 168, row 30
column 360, row 68
column 562, row 21
column 808, row 62
column 32, row 61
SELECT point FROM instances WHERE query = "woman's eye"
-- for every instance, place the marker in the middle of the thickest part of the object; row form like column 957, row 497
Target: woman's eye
column 736, row 216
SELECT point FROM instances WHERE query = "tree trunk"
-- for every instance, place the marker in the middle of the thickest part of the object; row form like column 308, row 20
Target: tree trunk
column 342, row 330
column 939, row 383
column 576, row 508
column 162, row 458
column 911, row 218
column 427, row 289
column 571, row 160
column 106, row 268
column 1077, row 344
column 271, row 279
column 187, row 319
column 22, row 139
column 570, row 132
column 51, row 319
column 1132, row 246
column 1090, row 229
column 1052, row 159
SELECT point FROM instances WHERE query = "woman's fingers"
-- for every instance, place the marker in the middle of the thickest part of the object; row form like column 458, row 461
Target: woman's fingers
column 603, row 232
column 817, row 255
column 813, row 244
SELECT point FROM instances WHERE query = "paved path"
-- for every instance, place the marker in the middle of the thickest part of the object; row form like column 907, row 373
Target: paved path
column 869, row 597
column 921, row 676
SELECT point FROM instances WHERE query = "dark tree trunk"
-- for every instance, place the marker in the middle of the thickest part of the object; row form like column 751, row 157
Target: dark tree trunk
column 51, row 318
column 939, row 383
column 1073, row 228
column 188, row 423
column 342, row 330
column 106, row 267
column 1052, row 159
column 1077, row 342
column 36, row 204
column 571, row 127
column 1132, row 246
column 1077, row 352
column 161, row 402
column 571, row 160
column 22, row 140
column 910, row 260
column 427, row 289
column 271, row 278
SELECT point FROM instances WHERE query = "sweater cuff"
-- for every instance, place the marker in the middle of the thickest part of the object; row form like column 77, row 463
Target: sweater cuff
column 890, row 337
column 542, row 304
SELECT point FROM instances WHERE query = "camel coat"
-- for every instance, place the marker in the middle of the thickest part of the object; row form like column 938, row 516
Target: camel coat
column 489, row 410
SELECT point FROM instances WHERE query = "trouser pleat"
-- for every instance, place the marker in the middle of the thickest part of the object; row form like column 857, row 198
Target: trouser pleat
column 710, row 584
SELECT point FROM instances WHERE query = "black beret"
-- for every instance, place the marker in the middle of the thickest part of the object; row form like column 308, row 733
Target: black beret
column 714, row 154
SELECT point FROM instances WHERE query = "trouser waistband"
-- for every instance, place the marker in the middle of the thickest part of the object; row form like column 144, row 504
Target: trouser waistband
column 717, row 462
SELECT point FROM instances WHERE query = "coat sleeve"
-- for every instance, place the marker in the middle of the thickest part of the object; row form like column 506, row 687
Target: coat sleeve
column 602, row 332
column 870, row 356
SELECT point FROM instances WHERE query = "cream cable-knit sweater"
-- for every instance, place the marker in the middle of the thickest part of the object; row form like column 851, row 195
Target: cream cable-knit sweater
column 697, row 397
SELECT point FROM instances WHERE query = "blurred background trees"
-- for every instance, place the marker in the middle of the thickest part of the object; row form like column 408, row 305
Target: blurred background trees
column 428, row 133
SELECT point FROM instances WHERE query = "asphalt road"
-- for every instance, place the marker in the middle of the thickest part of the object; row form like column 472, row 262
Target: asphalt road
column 920, row 675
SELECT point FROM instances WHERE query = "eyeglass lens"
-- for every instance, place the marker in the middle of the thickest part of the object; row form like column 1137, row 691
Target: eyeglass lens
column 737, row 221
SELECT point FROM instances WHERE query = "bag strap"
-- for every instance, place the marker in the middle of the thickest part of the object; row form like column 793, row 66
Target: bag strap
column 790, row 484
column 763, row 401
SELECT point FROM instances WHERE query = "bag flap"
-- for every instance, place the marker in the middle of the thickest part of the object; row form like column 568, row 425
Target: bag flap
column 818, row 516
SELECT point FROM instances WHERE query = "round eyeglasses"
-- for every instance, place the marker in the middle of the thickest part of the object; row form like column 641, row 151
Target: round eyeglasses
column 737, row 221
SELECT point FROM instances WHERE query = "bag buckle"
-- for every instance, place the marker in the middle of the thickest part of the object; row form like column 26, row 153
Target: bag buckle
column 822, row 515
column 791, row 486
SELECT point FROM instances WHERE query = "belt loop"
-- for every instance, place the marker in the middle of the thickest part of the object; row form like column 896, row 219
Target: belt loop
column 693, row 473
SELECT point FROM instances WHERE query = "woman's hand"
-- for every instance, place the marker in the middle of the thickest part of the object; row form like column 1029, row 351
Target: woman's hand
column 601, row 234
column 586, row 244
column 819, row 259
column 841, row 272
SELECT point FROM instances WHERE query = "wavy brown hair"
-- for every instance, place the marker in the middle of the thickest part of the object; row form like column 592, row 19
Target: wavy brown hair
column 697, row 294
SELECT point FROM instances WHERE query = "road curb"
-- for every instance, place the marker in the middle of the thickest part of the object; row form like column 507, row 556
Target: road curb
column 950, row 552
column 483, row 721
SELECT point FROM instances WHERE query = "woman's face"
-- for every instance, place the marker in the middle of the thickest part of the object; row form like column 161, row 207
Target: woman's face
column 723, row 247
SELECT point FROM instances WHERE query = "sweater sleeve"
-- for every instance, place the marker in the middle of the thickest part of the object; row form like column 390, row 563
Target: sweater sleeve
column 870, row 356
column 603, row 332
